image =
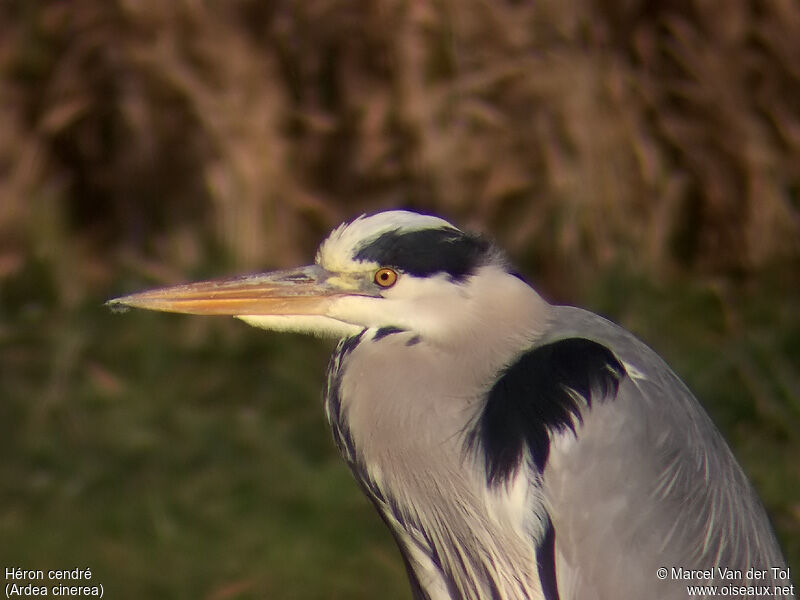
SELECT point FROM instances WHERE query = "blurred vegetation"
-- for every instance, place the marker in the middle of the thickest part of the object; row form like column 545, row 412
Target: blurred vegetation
column 639, row 158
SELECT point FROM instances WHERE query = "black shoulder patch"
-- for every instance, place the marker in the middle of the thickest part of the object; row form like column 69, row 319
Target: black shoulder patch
column 428, row 251
column 546, row 562
column 537, row 394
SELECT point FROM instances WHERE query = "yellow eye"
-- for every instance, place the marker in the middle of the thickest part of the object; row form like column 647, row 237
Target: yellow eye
column 385, row 277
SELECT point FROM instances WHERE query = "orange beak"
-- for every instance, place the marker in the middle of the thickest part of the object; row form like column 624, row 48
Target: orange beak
column 301, row 291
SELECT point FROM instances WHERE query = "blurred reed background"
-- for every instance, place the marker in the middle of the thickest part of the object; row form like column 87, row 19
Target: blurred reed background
column 640, row 158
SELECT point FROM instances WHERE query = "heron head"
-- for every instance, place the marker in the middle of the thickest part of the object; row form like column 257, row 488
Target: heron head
column 392, row 269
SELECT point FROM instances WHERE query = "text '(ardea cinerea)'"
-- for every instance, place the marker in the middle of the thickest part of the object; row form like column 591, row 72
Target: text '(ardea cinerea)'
column 516, row 449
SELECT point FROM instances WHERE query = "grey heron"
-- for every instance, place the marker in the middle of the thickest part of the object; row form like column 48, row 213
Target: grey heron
column 515, row 449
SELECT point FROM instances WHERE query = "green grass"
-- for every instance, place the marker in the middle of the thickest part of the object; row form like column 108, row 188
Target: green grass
column 188, row 457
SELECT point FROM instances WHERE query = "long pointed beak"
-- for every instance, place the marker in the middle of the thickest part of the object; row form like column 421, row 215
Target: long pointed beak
column 302, row 291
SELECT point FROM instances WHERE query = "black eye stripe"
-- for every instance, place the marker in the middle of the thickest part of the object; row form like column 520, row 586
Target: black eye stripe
column 428, row 251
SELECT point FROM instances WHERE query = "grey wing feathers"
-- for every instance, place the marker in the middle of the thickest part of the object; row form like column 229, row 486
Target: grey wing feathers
column 648, row 483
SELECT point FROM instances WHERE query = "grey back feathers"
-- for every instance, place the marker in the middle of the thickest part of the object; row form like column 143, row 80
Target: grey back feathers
column 649, row 481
